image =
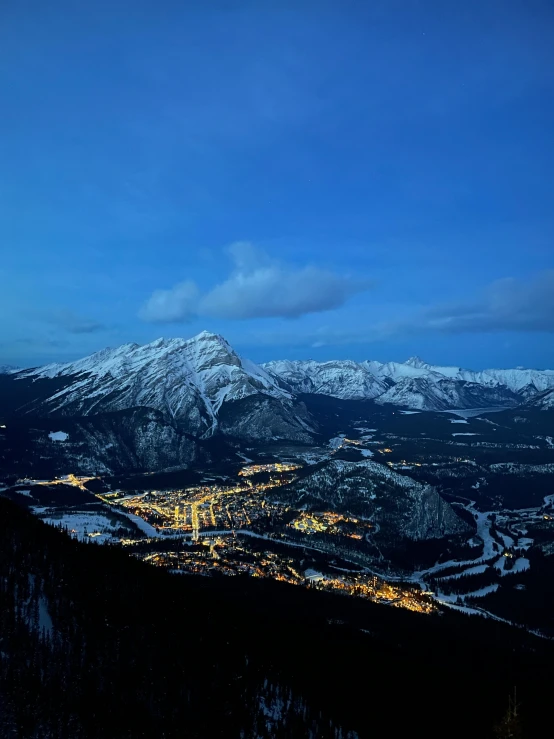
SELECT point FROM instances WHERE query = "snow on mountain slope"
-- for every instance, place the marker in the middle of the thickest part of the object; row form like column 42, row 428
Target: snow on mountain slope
column 427, row 393
column 191, row 381
column 543, row 401
column 414, row 383
column 188, row 381
column 396, row 371
column 342, row 378
column 515, row 380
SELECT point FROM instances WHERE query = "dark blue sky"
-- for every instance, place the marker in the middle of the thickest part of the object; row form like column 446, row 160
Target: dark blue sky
column 310, row 179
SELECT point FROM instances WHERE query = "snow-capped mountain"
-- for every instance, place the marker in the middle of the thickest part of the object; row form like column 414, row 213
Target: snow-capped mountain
column 188, row 381
column 6, row 369
column 203, row 387
column 517, row 380
column 414, row 383
column 157, row 405
column 344, row 379
column 427, row 393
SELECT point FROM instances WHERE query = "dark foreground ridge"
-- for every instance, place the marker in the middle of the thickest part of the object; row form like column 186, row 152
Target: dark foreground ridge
column 96, row 644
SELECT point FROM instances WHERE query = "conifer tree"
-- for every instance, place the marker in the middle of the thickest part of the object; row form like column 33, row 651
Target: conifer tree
column 510, row 726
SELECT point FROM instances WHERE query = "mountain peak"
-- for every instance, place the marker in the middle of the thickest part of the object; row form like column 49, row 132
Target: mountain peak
column 416, row 362
column 208, row 336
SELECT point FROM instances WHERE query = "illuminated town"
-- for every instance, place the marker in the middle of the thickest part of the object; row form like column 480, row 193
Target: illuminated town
column 242, row 525
column 202, row 510
column 236, row 530
column 242, row 555
column 255, row 469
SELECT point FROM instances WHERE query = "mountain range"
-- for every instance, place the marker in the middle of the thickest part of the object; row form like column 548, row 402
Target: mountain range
column 194, row 379
column 414, row 383
column 157, row 405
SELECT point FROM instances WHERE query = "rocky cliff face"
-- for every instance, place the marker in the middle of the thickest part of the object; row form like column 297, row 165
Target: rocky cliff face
column 543, row 401
column 138, row 439
column 398, row 506
column 266, row 419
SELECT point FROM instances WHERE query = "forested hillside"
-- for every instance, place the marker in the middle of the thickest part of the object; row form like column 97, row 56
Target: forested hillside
column 96, row 644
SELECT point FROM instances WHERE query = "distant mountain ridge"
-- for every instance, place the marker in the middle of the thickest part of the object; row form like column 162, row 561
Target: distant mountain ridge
column 414, row 383
column 195, row 382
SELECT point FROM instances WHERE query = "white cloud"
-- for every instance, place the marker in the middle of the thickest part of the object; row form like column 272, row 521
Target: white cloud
column 178, row 304
column 258, row 287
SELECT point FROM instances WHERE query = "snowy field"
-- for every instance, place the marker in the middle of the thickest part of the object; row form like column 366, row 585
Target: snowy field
column 85, row 526
column 58, row 436
column 472, row 412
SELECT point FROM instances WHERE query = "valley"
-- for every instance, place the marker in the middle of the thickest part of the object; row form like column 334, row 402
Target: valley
column 257, row 516
column 195, row 460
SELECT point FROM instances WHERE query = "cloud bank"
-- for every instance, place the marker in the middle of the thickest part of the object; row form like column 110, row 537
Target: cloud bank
column 258, row 287
column 506, row 305
column 74, row 323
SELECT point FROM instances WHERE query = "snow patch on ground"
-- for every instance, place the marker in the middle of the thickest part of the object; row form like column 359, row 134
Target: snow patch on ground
column 58, row 436
column 44, row 621
column 508, row 541
column 472, row 412
column 84, row 526
column 26, row 493
column 500, row 565
column 244, row 457
column 143, row 525
column 453, row 597
column 313, row 575
column 458, row 420
column 409, row 413
column 477, row 570
column 521, row 564
column 465, row 433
